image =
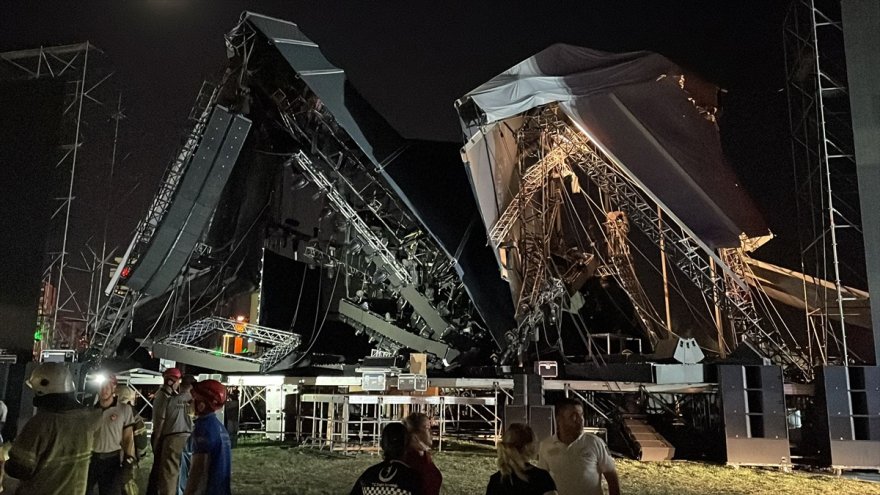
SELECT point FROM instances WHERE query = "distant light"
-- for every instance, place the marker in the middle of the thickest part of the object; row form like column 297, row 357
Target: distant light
column 99, row 379
column 126, row 271
column 241, row 318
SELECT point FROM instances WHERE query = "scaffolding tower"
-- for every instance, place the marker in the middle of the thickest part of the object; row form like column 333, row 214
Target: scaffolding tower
column 64, row 308
column 824, row 170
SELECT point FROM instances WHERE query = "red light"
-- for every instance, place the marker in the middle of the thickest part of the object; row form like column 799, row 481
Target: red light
column 126, row 272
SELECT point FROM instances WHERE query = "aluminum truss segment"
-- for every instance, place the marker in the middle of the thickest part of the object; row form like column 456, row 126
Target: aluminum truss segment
column 531, row 183
column 373, row 244
column 685, row 252
column 617, row 226
column 282, row 343
column 823, row 154
column 375, row 324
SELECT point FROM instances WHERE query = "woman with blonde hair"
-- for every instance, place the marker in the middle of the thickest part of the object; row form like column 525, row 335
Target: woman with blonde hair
column 418, row 455
column 516, row 475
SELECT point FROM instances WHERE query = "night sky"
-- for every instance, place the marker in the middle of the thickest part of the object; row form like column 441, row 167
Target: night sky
column 412, row 60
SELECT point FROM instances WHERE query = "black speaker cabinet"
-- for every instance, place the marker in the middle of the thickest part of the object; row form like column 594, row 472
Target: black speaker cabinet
column 528, row 390
column 753, row 406
column 848, row 417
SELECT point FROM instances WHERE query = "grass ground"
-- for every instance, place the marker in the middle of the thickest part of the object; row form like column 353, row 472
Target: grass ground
column 276, row 469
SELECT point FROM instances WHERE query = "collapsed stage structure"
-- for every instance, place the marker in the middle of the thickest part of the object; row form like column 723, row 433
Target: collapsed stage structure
column 577, row 163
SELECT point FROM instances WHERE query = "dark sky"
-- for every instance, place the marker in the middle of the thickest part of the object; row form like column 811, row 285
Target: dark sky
column 412, row 60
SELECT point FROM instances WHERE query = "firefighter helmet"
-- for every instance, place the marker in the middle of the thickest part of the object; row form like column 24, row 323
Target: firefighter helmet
column 51, row 378
column 172, row 373
column 210, row 391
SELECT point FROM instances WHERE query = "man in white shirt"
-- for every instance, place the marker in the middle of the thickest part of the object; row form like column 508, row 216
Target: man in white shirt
column 577, row 460
column 113, row 449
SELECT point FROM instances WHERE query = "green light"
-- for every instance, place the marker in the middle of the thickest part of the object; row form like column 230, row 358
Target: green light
column 38, row 336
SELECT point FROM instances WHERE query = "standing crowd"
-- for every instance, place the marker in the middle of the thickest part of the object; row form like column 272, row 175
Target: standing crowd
column 70, row 449
column 67, row 448
column 571, row 462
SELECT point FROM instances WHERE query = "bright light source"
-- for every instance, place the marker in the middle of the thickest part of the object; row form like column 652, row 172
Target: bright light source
column 241, row 318
column 100, row 379
column 445, row 362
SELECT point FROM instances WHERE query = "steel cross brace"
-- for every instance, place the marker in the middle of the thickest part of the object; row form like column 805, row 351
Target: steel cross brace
column 682, row 250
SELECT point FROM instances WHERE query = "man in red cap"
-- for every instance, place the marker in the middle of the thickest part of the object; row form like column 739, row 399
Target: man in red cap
column 206, row 467
column 166, row 450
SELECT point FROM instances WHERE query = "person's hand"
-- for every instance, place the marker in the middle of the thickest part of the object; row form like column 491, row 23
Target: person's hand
column 128, row 466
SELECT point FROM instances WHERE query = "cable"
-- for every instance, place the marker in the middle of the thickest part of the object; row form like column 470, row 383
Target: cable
column 320, row 328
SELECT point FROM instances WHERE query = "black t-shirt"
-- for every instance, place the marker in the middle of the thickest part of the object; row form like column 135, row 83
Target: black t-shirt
column 388, row 478
column 539, row 483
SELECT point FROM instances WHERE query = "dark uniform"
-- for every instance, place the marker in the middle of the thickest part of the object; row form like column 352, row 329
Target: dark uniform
column 388, row 478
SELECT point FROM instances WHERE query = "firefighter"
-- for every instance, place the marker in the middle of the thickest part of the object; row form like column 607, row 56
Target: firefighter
column 176, row 428
column 164, row 471
column 126, row 395
column 171, row 384
column 206, row 466
column 51, row 454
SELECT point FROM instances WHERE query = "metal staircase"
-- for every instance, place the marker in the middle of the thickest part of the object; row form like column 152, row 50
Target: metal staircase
column 647, row 444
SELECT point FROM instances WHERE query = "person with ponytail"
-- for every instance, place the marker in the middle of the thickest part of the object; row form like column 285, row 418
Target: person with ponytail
column 516, row 475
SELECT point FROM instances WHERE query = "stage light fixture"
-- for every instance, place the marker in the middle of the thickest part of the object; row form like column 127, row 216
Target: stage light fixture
column 299, row 182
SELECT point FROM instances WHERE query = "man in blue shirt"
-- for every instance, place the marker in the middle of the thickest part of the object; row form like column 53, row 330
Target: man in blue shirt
column 206, row 465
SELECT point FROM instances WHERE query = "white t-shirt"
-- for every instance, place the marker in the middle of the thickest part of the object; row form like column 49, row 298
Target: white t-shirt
column 108, row 437
column 576, row 468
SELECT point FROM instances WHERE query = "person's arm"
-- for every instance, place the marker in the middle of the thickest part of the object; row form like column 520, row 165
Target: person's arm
column 197, row 482
column 128, row 441
column 613, row 482
column 128, row 432
column 25, row 454
column 159, row 405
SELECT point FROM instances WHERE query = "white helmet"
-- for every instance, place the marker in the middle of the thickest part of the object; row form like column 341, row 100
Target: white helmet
column 51, row 378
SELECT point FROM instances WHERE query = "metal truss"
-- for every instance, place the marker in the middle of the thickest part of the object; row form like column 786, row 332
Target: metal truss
column 385, row 242
column 113, row 320
column 374, row 245
column 828, row 210
column 684, row 250
column 617, row 226
column 84, row 80
column 280, row 343
column 111, row 324
column 531, row 183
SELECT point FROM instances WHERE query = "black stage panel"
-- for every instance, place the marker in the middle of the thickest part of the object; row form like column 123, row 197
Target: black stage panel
column 193, row 204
